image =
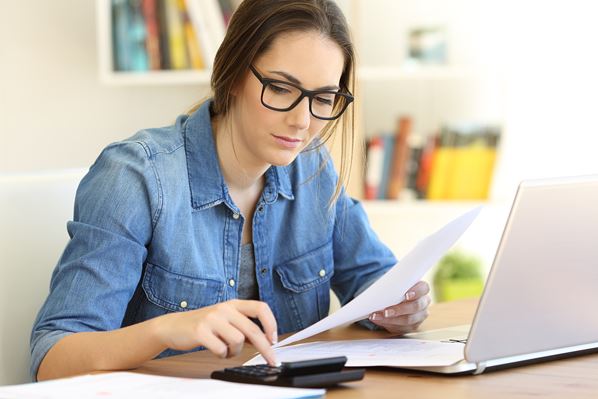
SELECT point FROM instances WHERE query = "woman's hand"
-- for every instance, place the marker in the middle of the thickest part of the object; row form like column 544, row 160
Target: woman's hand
column 407, row 315
column 221, row 328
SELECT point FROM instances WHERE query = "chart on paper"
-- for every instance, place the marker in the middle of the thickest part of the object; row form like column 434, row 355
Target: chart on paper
column 374, row 352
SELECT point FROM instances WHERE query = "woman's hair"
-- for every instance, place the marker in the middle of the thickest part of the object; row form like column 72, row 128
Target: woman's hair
column 253, row 28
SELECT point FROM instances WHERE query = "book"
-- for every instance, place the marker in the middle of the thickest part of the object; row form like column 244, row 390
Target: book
column 136, row 37
column 163, row 35
column 129, row 36
column 193, row 48
column 442, row 159
column 176, row 36
column 400, row 158
column 152, row 42
column 416, row 146
column 422, row 181
column 463, row 164
column 120, row 11
column 208, row 22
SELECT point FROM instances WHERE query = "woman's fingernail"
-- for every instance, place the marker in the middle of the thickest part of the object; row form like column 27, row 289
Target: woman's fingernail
column 389, row 313
column 375, row 316
column 410, row 295
column 274, row 338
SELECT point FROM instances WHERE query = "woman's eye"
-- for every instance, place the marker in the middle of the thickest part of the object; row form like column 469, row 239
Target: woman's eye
column 278, row 89
column 324, row 100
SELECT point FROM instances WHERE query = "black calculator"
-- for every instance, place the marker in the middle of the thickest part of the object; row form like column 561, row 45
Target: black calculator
column 316, row 373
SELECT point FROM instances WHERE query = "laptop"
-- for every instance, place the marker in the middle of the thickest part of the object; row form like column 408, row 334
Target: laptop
column 541, row 296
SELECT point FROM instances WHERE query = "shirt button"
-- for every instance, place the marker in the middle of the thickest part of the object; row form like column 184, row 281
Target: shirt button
column 184, row 304
column 263, row 271
column 236, row 215
column 322, row 273
column 260, row 208
column 231, row 282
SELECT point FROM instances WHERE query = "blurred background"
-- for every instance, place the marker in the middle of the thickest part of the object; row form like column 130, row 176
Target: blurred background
column 458, row 100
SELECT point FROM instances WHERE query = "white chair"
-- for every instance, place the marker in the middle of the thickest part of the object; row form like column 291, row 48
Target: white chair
column 34, row 209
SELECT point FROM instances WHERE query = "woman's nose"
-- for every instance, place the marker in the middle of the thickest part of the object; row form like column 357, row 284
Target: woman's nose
column 300, row 117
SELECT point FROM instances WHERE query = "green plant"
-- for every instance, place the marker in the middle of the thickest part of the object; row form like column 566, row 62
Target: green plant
column 458, row 275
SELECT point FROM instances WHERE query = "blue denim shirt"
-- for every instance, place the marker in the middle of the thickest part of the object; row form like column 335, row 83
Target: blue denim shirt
column 156, row 231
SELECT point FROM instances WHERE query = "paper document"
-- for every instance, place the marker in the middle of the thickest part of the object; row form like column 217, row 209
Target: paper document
column 374, row 352
column 132, row 385
column 390, row 289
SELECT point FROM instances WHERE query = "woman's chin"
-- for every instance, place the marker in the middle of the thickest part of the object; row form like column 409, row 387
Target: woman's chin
column 282, row 159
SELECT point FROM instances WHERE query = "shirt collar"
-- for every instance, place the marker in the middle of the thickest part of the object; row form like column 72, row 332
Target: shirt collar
column 206, row 181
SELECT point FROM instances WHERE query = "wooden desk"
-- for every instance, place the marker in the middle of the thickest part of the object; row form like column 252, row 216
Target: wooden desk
column 568, row 378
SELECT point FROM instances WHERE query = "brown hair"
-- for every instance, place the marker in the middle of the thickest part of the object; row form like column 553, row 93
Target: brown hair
column 253, row 28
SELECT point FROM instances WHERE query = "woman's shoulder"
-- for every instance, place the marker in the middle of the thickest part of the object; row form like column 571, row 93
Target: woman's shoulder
column 159, row 140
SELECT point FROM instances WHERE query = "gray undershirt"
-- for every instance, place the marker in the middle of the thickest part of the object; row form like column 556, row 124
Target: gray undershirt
column 247, row 283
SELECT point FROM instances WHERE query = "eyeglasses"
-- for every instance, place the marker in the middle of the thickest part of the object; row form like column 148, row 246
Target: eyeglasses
column 279, row 95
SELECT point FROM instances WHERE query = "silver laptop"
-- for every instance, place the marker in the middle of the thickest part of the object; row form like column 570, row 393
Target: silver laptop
column 541, row 297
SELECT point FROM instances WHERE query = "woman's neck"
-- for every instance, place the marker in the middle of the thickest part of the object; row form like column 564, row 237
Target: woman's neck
column 240, row 171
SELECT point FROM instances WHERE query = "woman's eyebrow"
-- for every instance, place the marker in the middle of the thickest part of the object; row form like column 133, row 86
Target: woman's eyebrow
column 293, row 79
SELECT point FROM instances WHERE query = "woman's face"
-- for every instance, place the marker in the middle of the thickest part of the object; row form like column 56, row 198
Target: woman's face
column 265, row 136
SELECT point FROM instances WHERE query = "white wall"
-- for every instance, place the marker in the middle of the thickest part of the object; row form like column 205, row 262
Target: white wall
column 538, row 65
column 54, row 113
column 552, row 74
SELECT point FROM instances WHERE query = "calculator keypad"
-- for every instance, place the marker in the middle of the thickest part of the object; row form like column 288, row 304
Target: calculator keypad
column 260, row 370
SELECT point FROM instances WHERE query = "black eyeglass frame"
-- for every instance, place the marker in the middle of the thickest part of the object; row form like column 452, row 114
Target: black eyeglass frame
column 310, row 94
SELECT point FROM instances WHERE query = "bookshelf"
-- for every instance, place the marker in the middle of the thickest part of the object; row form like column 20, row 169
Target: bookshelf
column 378, row 74
column 163, row 77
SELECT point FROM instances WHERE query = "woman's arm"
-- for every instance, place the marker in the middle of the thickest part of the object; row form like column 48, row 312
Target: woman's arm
column 221, row 328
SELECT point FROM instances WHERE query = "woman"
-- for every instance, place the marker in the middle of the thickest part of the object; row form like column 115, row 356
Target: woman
column 184, row 234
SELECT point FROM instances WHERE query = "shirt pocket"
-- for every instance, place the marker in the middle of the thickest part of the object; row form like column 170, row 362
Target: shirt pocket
column 307, row 271
column 305, row 283
column 176, row 292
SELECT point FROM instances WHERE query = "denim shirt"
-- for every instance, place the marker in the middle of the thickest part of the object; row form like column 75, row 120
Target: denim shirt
column 155, row 231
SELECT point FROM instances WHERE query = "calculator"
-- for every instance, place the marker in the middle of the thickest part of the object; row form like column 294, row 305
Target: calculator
column 315, row 373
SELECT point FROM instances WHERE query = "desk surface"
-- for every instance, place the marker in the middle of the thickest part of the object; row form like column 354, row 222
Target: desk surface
column 572, row 378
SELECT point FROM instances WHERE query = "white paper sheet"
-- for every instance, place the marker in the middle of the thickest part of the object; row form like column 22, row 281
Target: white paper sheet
column 390, row 289
column 132, row 385
column 374, row 352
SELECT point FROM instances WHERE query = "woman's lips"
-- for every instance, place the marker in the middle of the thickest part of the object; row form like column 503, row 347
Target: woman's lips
column 287, row 142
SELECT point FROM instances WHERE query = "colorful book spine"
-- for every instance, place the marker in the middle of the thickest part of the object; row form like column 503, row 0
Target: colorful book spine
column 400, row 158
column 176, row 36
column 163, row 34
column 152, row 43
column 193, row 48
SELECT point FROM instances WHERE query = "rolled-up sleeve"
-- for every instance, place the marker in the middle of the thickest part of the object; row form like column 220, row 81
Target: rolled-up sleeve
column 116, row 208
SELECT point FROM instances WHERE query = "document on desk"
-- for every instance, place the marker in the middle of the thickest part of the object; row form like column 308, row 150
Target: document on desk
column 390, row 352
column 132, row 385
column 390, row 289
